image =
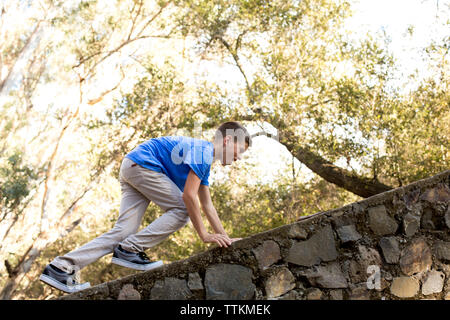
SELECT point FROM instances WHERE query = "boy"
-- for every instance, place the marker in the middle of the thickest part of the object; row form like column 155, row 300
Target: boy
column 172, row 172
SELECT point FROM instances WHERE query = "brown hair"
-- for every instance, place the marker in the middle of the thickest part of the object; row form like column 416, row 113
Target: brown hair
column 234, row 129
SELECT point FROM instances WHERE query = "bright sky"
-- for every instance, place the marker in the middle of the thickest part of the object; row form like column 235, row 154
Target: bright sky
column 395, row 17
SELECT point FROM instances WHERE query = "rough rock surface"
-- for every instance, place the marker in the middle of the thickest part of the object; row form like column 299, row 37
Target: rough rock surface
column 447, row 217
column 320, row 247
column 328, row 255
column 359, row 292
column 433, row 283
column 390, row 248
column 348, row 233
column 405, row 287
column 229, row 282
column 267, row 254
column 195, row 282
column 380, row 222
column 365, row 257
column 129, row 293
column 439, row 193
column 314, row 294
column 280, row 283
column 416, row 257
column 442, row 249
column 170, row 289
column 328, row 276
column 411, row 224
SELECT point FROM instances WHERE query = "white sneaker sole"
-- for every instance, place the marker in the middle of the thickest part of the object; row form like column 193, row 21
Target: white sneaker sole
column 135, row 266
column 58, row 285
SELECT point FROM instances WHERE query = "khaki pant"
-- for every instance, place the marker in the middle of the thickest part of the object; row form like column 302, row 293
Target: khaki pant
column 139, row 186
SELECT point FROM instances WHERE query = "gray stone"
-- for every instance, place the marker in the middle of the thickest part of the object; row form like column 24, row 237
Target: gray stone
column 405, row 287
column 320, row 247
column 298, row 231
column 291, row 295
column 366, row 257
column 434, row 282
column 410, row 198
column 428, row 220
column 447, row 217
column 313, row 294
column 337, row 214
column 348, row 233
column 267, row 254
column 442, row 250
column 279, row 283
column 229, row 282
column 416, row 209
column 129, row 293
column 359, row 206
column 93, row 293
column 360, row 292
column 411, row 224
column 416, row 257
column 170, row 289
column 195, row 282
column 369, row 255
column 328, row 276
column 440, row 193
column 336, row 295
column 380, row 222
column 390, row 249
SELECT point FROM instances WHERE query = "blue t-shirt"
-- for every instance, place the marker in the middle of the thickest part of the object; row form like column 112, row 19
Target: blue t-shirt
column 175, row 156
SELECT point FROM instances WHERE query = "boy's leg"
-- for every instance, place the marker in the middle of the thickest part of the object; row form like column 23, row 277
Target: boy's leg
column 155, row 232
column 157, row 187
column 132, row 208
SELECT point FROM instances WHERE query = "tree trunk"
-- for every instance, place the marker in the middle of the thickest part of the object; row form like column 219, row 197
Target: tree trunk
column 361, row 186
column 343, row 178
column 43, row 240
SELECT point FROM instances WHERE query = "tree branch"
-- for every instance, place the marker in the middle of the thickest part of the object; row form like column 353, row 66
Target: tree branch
column 18, row 55
column 129, row 40
column 362, row 186
column 104, row 93
column 238, row 64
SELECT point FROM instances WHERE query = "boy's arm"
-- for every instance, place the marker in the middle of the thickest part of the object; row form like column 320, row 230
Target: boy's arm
column 210, row 211
column 191, row 189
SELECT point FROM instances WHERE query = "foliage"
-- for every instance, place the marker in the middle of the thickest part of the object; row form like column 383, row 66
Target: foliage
column 16, row 182
column 84, row 82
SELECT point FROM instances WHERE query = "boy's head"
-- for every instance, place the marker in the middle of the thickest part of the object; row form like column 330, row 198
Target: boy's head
column 231, row 140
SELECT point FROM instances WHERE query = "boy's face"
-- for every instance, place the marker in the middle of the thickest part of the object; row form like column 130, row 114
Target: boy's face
column 232, row 151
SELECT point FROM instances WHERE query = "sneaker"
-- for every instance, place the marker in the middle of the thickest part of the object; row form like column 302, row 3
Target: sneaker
column 136, row 261
column 62, row 280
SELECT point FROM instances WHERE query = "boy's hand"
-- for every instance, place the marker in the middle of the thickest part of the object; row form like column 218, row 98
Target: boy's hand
column 221, row 239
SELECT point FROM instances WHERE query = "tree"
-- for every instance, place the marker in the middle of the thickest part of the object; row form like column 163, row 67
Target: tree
column 330, row 98
column 72, row 59
column 98, row 65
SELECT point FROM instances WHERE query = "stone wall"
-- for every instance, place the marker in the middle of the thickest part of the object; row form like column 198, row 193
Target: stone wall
column 395, row 245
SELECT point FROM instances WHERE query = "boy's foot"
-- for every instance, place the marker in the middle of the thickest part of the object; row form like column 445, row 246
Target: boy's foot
column 62, row 280
column 137, row 261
